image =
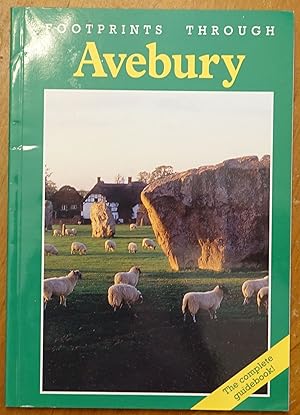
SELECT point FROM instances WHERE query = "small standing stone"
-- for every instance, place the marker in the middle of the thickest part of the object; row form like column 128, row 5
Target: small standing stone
column 48, row 215
column 102, row 220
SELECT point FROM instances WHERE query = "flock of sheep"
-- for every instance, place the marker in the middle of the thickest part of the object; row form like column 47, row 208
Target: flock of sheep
column 109, row 245
column 211, row 300
column 124, row 291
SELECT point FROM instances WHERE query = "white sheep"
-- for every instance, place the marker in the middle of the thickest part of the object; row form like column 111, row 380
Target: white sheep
column 123, row 294
column 78, row 247
column 132, row 227
column 148, row 244
column 207, row 300
column 262, row 299
column 131, row 277
column 60, row 287
column 57, row 232
column 70, row 232
column 50, row 250
column 132, row 248
column 110, row 246
column 251, row 287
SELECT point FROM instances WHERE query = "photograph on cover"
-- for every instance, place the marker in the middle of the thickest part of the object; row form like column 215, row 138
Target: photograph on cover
column 157, row 239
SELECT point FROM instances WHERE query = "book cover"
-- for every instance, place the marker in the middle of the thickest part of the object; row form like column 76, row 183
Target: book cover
column 149, row 209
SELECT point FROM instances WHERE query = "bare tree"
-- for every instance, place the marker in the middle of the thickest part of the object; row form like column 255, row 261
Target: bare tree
column 50, row 186
column 119, row 178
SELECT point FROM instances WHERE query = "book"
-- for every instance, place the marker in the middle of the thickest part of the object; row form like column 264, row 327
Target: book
column 149, row 209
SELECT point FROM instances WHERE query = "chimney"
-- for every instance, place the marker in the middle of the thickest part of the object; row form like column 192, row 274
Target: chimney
column 129, row 180
column 98, row 179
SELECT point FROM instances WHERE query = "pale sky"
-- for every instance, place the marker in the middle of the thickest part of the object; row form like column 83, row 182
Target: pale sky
column 91, row 133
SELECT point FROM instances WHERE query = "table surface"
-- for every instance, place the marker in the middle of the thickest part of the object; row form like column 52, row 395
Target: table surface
column 4, row 94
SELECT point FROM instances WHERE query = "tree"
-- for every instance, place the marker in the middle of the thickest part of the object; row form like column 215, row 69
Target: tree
column 119, row 179
column 161, row 171
column 144, row 176
column 50, row 186
column 157, row 173
column 83, row 193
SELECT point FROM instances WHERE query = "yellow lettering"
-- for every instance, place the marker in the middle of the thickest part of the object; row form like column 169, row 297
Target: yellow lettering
column 190, row 69
column 206, row 61
column 157, row 65
column 153, row 59
column 232, row 70
column 110, row 60
column 134, row 60
column 94, row 60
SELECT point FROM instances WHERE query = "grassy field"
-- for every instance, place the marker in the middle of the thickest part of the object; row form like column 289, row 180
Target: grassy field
column 89, row 347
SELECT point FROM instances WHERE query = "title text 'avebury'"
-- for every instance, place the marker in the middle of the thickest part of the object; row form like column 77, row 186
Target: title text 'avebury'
column 158, row 65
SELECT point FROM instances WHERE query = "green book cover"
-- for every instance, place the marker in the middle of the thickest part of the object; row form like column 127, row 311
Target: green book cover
column 149, row 209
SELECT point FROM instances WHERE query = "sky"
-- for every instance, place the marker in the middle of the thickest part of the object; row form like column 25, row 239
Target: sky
column 93, row 133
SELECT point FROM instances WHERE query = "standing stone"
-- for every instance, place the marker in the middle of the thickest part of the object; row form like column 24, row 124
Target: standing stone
column 213, row 217
column 102, row 220
column 142, row 218
column 48, row 215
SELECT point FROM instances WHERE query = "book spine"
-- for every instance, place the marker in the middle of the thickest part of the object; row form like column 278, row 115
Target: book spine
column 13, row 341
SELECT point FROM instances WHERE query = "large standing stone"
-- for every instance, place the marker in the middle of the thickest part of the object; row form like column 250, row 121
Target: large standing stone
column 48, row 215
column 102, row 220
column 213, row 217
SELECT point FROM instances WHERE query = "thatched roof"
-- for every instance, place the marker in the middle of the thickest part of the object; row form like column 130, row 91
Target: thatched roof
column 126, row 194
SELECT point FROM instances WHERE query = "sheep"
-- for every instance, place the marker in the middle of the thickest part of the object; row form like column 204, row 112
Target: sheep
column 148, row 244
column 50, row 250
column 132, row 248
column 60, row 287
column 120, row 294
column 251, row 287
column 208, row 300
column 70, row 232
column 110, row 246
column 132, row 227
column 263, row 299
column 131, row 277
column 57, row 232
column 78, row 247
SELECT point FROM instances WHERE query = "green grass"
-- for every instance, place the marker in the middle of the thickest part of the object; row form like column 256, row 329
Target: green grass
column 89, row 347
column 161, row 286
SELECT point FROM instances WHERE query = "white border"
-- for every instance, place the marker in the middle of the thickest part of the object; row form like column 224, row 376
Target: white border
column 91, row 393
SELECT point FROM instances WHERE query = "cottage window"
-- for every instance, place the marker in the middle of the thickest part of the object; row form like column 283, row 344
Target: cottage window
column 64, row 207
column 73, row 207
